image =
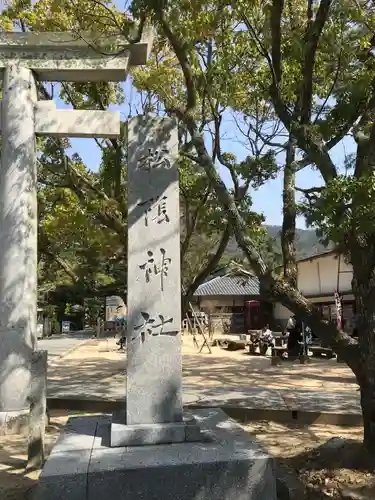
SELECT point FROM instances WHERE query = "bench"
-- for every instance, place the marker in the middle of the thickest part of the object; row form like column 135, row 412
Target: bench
column 236, row 345
column 222, row 340
column 278, row 351
column 252, row 347
column 263, row 348
column 277, row 354
column 320, row 351
column 280, row 340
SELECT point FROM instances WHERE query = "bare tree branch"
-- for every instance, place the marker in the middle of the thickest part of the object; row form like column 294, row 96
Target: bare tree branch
column 313, row 34
column 366, row 138
column 270, row 285
column 46, row 247
column 288, row 231
column 334, row 82
column 314, row 147
column 210, row 267
column 178, row 47
column 276, row 13
column 313, row 190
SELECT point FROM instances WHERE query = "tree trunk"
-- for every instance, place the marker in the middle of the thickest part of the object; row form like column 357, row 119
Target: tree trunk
column 368, row 412
column 363, row 284
column 288, row 232
column 206, row 271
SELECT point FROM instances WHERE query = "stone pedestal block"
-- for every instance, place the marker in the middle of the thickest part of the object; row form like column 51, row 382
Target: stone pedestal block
column 15, row 371
column 226, row 465
column 164, row 433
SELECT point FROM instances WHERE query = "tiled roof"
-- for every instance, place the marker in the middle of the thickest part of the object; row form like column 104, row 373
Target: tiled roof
column 229, row 285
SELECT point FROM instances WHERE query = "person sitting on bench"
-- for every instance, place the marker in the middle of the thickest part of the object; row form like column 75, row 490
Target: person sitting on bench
column 266, row 340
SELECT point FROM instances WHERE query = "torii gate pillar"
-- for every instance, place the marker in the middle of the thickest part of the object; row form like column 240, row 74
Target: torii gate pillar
column 23, row 59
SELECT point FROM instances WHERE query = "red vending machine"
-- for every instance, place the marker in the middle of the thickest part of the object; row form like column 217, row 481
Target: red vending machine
column 253, row 316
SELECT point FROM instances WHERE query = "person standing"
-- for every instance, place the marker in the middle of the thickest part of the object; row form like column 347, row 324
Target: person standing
column 294, row 327
column 291, row 323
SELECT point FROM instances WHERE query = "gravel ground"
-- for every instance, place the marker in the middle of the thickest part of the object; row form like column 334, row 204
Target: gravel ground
column 315, row 462
column 318, row 461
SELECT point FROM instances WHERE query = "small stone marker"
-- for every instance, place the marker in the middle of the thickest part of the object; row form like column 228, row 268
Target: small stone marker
column 38, row 409
column 98, row 328
column 154, row 374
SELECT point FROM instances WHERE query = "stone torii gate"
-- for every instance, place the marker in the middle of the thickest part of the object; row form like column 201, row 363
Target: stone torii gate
column 24, row 59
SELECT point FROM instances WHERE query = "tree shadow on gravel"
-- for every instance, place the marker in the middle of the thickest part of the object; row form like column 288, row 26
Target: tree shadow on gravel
column 15, row 482
column 338, row 469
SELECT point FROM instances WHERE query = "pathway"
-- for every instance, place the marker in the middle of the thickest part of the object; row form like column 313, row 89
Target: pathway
column 60, row 345
column 97, row 371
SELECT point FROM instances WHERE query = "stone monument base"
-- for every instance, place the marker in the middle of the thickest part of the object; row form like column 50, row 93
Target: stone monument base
column 140, row 435
column 226, row 465
column 15, row 381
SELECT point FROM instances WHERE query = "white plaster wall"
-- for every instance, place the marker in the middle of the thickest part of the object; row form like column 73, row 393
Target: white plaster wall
column 319, row 276
column 281, row 313
column 210, row 304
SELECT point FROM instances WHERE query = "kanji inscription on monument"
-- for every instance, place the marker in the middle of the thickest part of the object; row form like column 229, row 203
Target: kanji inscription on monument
column 154, row 317
column 156, row 208
column 155, row 266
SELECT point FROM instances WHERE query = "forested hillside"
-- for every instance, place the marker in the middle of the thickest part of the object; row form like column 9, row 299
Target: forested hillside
column 307, row 243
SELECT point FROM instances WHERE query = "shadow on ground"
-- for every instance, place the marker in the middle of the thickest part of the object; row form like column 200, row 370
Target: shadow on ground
column 318, row 461
column 309, row 463
column 240, row 369
column 221, row 379
column 246, row 381
column 15, row 482
column 95, row 377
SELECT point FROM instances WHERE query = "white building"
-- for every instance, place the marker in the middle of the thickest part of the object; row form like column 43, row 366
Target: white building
column 319, row 277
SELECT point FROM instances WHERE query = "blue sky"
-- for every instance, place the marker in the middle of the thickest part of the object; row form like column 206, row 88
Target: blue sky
column 267, row 199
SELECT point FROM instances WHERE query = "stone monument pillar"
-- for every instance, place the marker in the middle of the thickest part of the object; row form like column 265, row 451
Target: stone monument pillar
column 24, row 58
column 151, row 450
column 154, row 371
